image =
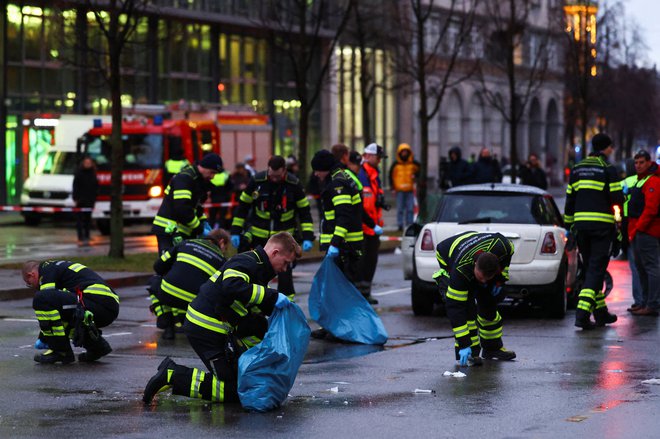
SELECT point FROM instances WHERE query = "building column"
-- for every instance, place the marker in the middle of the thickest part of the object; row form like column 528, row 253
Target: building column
column 153, row 48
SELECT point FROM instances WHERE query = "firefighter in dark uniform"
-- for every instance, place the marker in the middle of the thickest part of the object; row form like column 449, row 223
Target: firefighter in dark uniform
column 594, row 188
column 274, row 201
column 181, row 214
column 180, row 271
column 341, row 225
column 71, row 301
column 473, row 268
column 174, row 164
column 225, row 319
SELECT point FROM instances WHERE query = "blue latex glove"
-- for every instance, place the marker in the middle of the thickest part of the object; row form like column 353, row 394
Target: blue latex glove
column 464, row 354
column 333, row 252
column 207, row 229
column 235, row 240
column 496, row 290
column 40, row 344
column 282, row 301
column 378, row 230
column 307, row 245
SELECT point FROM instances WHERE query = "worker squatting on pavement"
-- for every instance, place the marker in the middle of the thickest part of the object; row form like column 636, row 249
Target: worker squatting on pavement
column 71, row 301
column 274, row 201
column 181, row 214
column 226, row 318
column 594, row 188
column 180, row 271
column 473, row 268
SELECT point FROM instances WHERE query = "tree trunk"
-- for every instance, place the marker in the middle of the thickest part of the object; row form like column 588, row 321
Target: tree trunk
column 302, row 141
column 116, row 188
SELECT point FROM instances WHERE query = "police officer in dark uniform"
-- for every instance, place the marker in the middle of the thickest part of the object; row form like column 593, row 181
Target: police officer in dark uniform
column 181, row 213
column 274, row 201
column 226, row 318
column 594, row 188
column 180, row 271
column 473, row 268
column 70, row 296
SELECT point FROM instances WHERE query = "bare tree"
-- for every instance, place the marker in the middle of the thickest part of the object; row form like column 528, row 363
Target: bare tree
column 431, row 41
column 116, row 23
column 518, row 52
column 306, row 33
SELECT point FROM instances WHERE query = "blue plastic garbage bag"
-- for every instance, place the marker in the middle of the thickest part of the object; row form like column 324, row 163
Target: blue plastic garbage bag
column 340, row 308
column 266, row 372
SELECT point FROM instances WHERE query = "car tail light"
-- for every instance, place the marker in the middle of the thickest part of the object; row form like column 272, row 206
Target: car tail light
column 427, row 241
column 155, row 191
column 549, row 245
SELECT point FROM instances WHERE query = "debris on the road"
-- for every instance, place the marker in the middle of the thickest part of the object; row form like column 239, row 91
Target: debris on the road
column 454, row 374
column 576, row 418
column 428, row 391
column 340, row 382
column 652, row 381
column 333, row 389
column 345, row 402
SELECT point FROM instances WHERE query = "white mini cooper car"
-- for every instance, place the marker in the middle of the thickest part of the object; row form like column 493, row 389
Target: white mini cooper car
column 542, row 271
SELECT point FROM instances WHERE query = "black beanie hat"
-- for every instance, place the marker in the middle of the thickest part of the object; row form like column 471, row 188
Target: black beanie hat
column 600, row 141
column 323, row 160
column 211, row 161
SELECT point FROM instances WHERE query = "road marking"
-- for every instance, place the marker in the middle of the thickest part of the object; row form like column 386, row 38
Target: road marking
column 148, row 325
column 7, row 319
column 386, row 293
column 116, row 334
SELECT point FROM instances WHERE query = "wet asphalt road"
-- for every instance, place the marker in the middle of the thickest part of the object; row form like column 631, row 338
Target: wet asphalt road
column 564, row 383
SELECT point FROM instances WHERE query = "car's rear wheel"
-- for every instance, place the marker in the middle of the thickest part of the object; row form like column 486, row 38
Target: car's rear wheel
column 422, row 296
column 556, row 301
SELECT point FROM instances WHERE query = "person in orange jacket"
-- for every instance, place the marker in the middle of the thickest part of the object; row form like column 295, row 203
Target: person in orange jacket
column 373, row 200
column 644, row 233
column 403, row 173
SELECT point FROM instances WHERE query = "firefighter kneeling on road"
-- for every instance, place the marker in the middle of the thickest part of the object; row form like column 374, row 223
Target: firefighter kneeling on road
column 72, row 301
column 180, row 271
column 473, row 268
column 225, row 319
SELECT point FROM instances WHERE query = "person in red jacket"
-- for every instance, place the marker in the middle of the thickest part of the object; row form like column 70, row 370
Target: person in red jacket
column 644, row 232
column 373, row 201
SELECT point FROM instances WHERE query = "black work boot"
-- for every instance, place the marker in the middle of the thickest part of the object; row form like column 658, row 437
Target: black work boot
column 371, row 299
column 52, row 357
column 583, row 320
column 169, row 333
column 100, row 348
column 603, row 317
column 500, row 354
column 159, row 382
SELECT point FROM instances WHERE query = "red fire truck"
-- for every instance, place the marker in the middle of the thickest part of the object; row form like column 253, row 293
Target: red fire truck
column 148, row 143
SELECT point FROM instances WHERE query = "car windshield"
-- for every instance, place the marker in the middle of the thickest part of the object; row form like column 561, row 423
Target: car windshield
column 141, row 151
column 58, row 162
column 497, row 207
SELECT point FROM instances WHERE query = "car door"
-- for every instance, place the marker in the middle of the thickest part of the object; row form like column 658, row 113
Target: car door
column 408, row 249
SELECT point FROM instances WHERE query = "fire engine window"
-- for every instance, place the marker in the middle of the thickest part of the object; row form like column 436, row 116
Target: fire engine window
column 141, row 151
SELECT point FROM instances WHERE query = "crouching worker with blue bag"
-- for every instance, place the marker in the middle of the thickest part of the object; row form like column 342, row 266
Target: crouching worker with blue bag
column 267, row 371
column 226, row 318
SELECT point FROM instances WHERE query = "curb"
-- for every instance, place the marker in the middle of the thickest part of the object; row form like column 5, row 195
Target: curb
column 117, row 282
column 142, row 279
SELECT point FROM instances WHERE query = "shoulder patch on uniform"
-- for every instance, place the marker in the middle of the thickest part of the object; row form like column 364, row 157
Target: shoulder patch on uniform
column 339, row 189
